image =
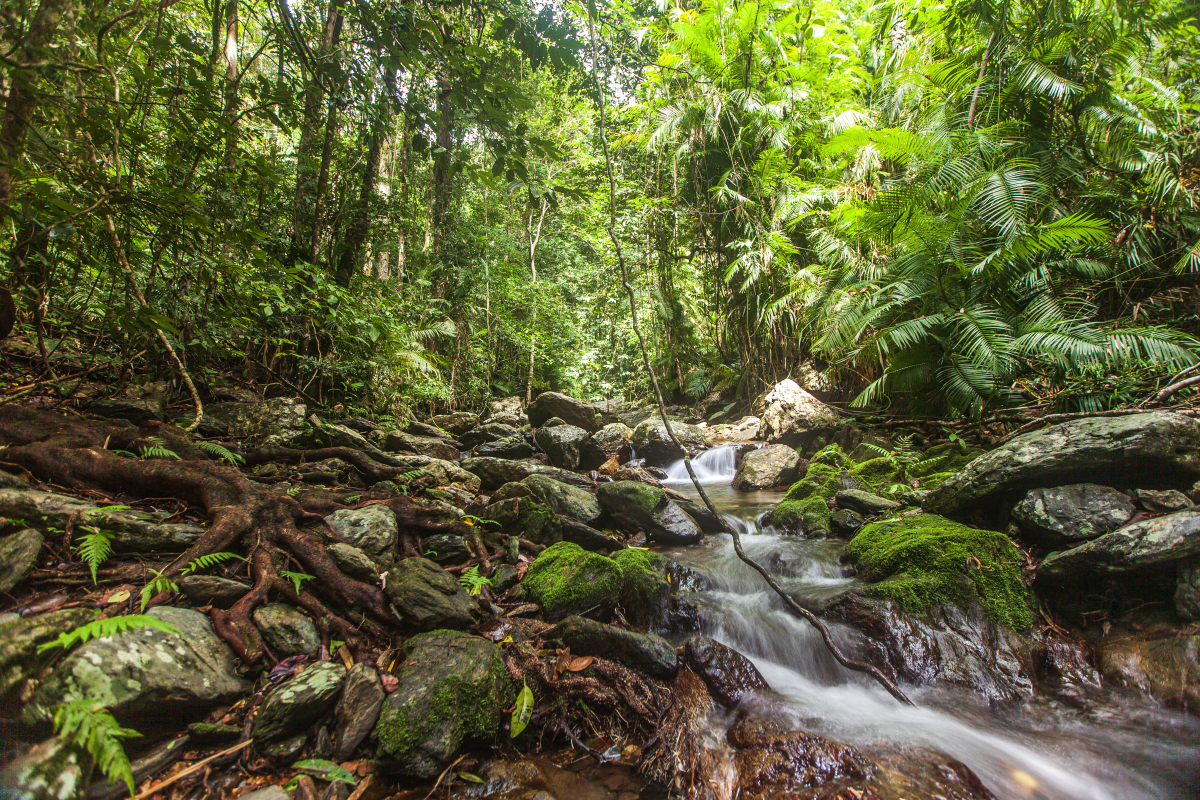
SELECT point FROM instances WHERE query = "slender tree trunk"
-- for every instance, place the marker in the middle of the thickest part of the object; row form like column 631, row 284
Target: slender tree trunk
column 535, row 236
column 314, row 241
column 22, row 103
column 360, row 223
column 231, row 83
column 442, row 159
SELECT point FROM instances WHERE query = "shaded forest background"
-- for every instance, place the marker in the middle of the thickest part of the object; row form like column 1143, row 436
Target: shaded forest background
column 945, row 207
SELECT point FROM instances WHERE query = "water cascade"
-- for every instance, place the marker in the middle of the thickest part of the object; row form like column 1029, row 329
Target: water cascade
column 711, row 466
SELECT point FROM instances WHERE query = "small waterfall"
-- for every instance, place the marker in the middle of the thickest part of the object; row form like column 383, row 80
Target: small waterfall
column 711, row 466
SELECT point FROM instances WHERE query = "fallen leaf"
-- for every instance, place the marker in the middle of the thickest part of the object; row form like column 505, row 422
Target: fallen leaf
column 390, row 682
column 347, row 659
column 581, row 663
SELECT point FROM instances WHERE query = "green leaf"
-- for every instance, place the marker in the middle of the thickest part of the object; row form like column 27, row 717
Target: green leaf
column 522, row 712
column 296, row 578
column 100, row 628
column 325, row 770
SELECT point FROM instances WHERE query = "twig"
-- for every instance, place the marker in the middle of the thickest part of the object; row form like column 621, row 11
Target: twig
column 1175, row 387
column 192, row 770
column 792, row 605
column 438, row 782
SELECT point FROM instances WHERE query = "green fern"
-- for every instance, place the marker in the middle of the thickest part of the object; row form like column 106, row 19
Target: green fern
column 100, row 628
column 221, row 452
column 158, row 584
column 412, row 475
column 88, row 728
column 296, row 578
column 95, row 546
column 209, row 560
column 294, row 490
column 472, row 581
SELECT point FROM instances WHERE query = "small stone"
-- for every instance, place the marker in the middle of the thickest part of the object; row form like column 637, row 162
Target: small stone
column 728, row 674
column 864, row 502
column 285, row 751
column 323, row 746
column 357, row 710
column 372, row 529
column 354, row 562
column 504, row 578
column 644, row 652
column 298, row 702
column 1163, row 502
column 457, row 423
column 206, row 589
column 267, row 793
column 1072, row 513
column 445, row 548
column 18, row 555
column 336, row 791
column 845, row 523
column 287, row 631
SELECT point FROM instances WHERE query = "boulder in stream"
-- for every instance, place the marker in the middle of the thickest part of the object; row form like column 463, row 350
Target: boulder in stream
column 637, row 507
column 728, row 674
column 767, row 467
column 653, row 443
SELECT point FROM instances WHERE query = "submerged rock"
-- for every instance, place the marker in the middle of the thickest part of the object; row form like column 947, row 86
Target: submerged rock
column 452, row 688
column 767, row 467
column 1167, row 668
column 637, row 507
column 1156, row 449
column 772, row 761
column 645, row 652
column 1072, row 513
column 728, row 674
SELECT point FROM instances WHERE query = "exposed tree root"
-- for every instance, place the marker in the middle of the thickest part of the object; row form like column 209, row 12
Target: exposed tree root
column 264, row 523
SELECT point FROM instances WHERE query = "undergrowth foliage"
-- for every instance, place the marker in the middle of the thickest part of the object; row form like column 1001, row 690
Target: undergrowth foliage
column 92, row 730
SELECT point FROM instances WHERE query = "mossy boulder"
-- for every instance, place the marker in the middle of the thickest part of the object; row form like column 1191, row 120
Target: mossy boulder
column 877, row 473
column 527, row 518
column 821, row 479
column 809, row 516
column 300, row 701
column 428, row 597
column 452, row 688
column 636, row 506
column 566, row 579
column 924, row 561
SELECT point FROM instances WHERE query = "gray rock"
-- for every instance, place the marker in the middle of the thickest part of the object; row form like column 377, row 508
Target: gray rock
column 452, row 688
column 267, row 793
column 353, row 562
column 298, row 702
column 423, row 429
column 707, row 520
column 357, row 710
column 372, row 529
column 18, row 555
column 767, row 467
column 206, row 589
column 728, row 674
column 1187, row 590
column 1153, row 449
column 457, row 423
column 1072, row 513
column 564, row 499
column 49, row 771
column 1162, row 540
column 287, row 631
column 437, row 447
column 610, row 442
column 512, row 448
column 136, row 411
column 504, row 578
column 507, row 410
column 428, row 598
column 845, row 523
column 162, row 676
column 864, row 502
column 562, row 444
column 144, row 766
column 586, row 536
column 445, row 548
column 280, row 416
column 495, row 472
column 653, row 443
column 645, row 652
column 554, row 404
column 637, row 507
column 284, row 751
column 1163, row 501
column 792, row 415
column 488, row 432
column 19, row 640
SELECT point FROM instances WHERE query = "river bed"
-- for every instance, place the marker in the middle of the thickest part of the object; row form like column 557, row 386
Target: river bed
column 1112, row 746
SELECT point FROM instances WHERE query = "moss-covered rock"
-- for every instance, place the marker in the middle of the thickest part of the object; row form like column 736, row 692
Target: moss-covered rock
column 925, row 561
column 877, row 473
column 526, row 518
column 451, row 690
column 566, row 579
column 832, row 456
column 934, row 479
column 635, row 506
column 947, row 457
column 809, row 517
column 821, row 479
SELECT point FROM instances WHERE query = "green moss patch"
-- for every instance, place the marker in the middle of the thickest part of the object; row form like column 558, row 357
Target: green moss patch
column 566, row 579
column 876, row 473
column 832, row 456
column 821, row 479
column 925, row 561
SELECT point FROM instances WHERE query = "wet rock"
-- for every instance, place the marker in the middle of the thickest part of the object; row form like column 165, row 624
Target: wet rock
column 1156, row 449
column 495, row 472
column 565, row 580
column 919, row 772
column 587, row 537
column 18, row 555
column 354, row 562
column 1072, row 513
column 809, row 517
column 707, row 520
column 564, row 499
column 428, row 597
column 488, row 432
column 452, row 688
column 767, row 467
column 48, row 771
column 512, row 448
column 865, row 503
column 562, row 444
column 506, row 410
column 357, row 709
column 772, row 759
column 653, row 443
column 445, row 548
column 372, row 529
column 554, row 404
column 1163, row 501
column 1167, row 669
column 1142, row 548
column 287, row 631
column 457, row 423
column 645, row 652
column 792, row 415
column 136, row 411
column 637, row 507
column 212, row 589
column 396, row 441
column 609, row 443
column 162, row 676
column 19, row 640
column 1187, row 590
column 1068, row 667
column 728, row 674
column 844, row 522
column 294, row 705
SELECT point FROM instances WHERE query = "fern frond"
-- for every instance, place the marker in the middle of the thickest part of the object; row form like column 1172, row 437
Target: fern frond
column 84, row 726
column 158, row 584
column 297, row 578
column 94, row 548
column 221, row 452
column 101, row 628
column 209, row 560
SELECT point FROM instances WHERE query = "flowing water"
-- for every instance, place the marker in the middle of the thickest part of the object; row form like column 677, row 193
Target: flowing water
column 1111, row 747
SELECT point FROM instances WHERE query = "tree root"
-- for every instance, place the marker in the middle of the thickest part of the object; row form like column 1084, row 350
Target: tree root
column 77, row 454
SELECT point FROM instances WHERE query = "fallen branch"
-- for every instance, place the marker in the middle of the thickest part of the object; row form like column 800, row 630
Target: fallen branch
column 192, row 770
column 793, row 606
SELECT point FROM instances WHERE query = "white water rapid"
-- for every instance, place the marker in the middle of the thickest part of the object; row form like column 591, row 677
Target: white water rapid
column 1106, row 747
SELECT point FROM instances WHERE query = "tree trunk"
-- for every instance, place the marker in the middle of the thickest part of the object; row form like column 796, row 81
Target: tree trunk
column 441, row 160
column 535, row 236
column 231, row 83
column 22, row 103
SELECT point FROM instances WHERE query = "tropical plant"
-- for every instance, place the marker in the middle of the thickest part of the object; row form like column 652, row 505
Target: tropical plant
column 101, row 628
column 92, row 730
